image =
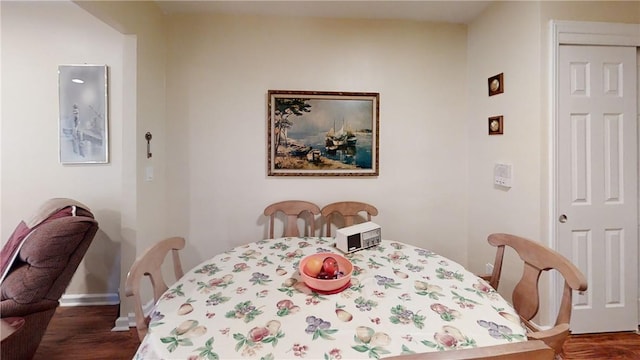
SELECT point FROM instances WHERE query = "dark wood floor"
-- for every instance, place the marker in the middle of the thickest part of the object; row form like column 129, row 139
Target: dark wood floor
column 85, row 333
column 622, row 346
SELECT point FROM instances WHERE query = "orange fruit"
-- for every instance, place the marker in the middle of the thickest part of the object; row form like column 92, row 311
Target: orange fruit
column 313, row 266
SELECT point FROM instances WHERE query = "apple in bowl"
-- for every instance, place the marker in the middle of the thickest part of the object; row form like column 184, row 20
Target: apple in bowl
column 325, row 271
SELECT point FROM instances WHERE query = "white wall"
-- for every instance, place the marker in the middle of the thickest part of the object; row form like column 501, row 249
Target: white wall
column 143, row 203
column 513, row 37
column 30, row 171
column 506, row 39
column 220, row 69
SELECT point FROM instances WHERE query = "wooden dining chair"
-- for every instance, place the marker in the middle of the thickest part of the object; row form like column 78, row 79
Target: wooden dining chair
column 349, row 211
column 526, row 299
column 524, row 350
column 293, row 210
column 150, row 264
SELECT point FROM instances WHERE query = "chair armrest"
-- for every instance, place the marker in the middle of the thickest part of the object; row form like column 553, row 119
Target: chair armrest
column 554, row 337
column 9, row 326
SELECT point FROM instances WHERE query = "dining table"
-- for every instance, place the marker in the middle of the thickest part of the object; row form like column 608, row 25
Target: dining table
column 251, row 303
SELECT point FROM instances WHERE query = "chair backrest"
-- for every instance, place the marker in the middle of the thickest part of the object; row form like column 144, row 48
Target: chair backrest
column 349, row 211
column 524, row 350
column 293, row 209
column 526, row 299
column 150, row 264
column 42, row 256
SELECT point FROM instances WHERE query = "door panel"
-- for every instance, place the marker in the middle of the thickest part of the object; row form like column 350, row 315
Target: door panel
column 598, row 182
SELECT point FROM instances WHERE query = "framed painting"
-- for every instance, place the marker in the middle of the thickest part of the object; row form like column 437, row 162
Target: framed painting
column 83, row 121
column 323, row 133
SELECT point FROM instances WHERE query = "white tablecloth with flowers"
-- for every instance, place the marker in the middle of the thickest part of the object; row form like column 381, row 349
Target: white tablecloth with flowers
column 248, row 303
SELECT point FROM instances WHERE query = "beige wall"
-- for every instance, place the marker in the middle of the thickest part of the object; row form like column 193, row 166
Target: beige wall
column 199, row 83
column 220, row 69
column 505, row 39
column 217, row 204
column 30, row 169
column 627, row 12
column 143, row 202
column 513, row 37
column 131, row 41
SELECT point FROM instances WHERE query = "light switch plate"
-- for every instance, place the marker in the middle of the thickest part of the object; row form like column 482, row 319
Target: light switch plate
column 503, row 174
column 148, row 173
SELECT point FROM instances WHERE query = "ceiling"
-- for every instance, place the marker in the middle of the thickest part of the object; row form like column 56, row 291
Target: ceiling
column 437, row 11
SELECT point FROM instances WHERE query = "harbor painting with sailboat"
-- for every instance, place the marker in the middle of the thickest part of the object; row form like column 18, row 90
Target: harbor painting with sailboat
column 332, row 134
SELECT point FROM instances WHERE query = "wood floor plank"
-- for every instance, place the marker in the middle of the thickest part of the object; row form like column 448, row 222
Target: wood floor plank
column 84, row 332
column 620, row 346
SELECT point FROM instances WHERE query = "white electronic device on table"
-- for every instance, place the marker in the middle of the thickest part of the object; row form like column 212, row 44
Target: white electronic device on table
column 358, row 237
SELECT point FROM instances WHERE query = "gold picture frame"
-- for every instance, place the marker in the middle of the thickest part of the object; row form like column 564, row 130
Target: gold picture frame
column 323, row 133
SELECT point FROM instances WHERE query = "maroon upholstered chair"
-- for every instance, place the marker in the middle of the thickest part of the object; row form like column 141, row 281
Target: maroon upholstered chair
column 38, row 263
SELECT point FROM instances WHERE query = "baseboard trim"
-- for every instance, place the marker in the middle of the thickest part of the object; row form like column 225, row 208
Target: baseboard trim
column 89, row 299
column 123, row 323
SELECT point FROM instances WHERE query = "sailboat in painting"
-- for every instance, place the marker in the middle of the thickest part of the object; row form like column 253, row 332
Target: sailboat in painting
column 340, row 139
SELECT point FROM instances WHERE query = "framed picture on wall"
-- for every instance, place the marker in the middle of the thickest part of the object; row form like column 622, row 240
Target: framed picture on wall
column 83, row 109
column 496, row 84
column 322, row 133
column 496, row 126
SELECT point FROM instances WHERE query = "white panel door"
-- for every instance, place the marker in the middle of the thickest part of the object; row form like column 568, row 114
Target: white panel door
column 597, row 197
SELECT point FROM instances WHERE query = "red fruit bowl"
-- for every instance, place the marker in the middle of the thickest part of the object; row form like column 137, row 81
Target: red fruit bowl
column 327, row 285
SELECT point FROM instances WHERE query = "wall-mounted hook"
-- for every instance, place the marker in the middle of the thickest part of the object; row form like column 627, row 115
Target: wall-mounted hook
column 148, row 137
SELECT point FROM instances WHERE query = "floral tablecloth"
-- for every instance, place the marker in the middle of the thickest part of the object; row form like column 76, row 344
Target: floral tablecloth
column 249, row 302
